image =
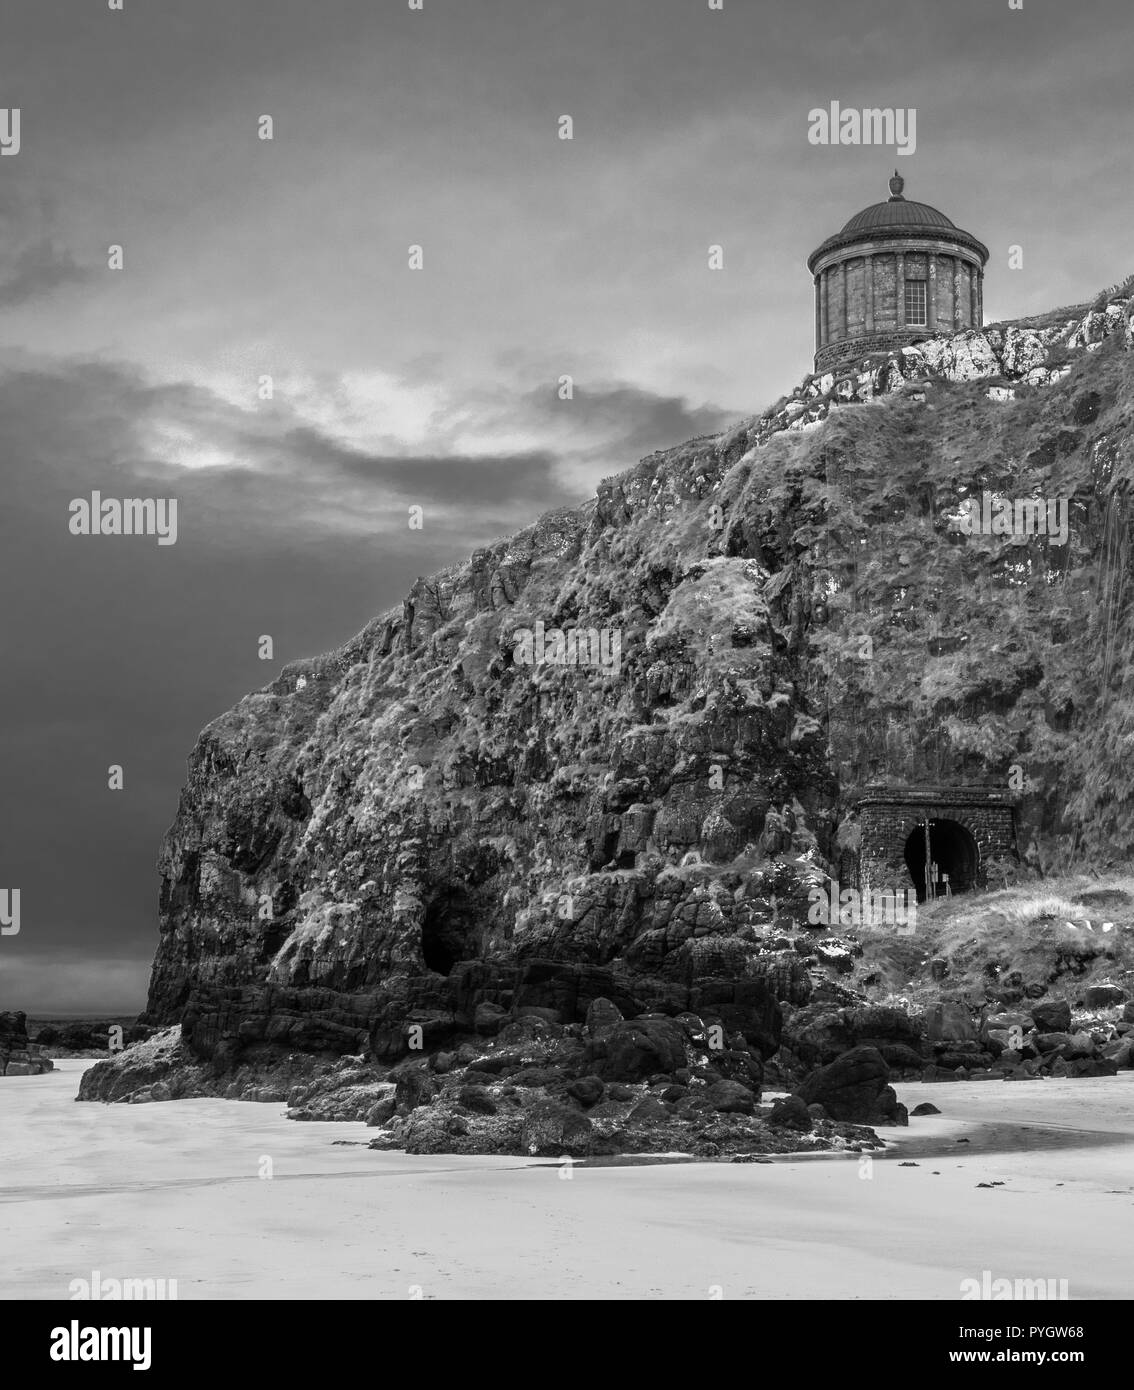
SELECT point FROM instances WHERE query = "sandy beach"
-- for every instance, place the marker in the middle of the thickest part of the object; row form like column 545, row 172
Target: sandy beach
column 174, row 1191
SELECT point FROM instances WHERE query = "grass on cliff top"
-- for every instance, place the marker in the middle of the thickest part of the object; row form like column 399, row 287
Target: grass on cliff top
column 985, row 937
column 1054, row 318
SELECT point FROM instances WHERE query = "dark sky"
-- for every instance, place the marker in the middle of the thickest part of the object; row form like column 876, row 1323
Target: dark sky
column 436, row 387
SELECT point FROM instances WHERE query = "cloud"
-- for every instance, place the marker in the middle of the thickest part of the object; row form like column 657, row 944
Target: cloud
column 119, row 651
column 34, row 260
column 256, row 470
column 520, row 479
column 626, row 419
column 267, row 469
column 38, row 269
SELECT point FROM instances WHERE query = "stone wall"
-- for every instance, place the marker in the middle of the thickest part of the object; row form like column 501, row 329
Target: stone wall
column 854, row 349
column 885, row 292
column 856, row 297
column 945, row 296
column 887, row 823
column 860, row 299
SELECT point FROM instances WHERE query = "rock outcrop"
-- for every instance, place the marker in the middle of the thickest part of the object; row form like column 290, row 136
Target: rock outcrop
column 18, row 1056
column 664, row 1088
column 855, row 1087
column 591, row 776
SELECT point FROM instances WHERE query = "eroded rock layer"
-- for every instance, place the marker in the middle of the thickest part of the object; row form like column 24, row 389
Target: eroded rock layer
column 431, row 832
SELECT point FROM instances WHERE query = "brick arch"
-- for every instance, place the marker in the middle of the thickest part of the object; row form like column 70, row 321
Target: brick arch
column 911, row 823
column 960, row 852
column 985, row 815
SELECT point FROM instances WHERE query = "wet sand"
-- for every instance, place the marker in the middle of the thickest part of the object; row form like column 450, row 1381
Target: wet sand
column 174, row 1191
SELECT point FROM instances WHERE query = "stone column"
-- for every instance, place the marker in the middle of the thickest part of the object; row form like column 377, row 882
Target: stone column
column 900, row 289
column 825, row 312
column 974, row 312
column 844, row 326
column 868, row 291
column 931, row 293
column 979, row 300
column 818, row 316
column 958, row 305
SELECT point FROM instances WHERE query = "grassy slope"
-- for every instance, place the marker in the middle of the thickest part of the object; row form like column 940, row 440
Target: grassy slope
column 1037, row 931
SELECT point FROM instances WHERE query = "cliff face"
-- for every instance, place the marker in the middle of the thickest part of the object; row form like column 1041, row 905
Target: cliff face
column 430, row 821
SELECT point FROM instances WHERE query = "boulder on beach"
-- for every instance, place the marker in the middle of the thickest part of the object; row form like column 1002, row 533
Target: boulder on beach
column 793, row 1112
column 1052, row 1016
column 855, row 1087
column 635, row 1049
column 552, row 1128
column 731, row 1098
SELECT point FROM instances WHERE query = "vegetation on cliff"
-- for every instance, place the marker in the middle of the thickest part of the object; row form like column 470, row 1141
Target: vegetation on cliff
column 462, row 811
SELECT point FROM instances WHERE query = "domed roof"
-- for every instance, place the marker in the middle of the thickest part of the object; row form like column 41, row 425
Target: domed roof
column 898, row 213
column 897, row 218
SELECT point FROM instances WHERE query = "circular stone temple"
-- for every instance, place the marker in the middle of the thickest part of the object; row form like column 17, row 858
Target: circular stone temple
column 897, row 272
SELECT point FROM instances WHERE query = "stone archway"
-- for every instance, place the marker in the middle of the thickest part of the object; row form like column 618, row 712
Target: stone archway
column 887, row 817
column 951, row 849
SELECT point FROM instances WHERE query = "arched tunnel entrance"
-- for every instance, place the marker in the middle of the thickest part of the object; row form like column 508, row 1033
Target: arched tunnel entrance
column 448, row 932
column 951, row 854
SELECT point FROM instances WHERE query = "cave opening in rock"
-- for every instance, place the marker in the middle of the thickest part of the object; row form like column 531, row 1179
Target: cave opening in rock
column 953, row 859
column 448, row 933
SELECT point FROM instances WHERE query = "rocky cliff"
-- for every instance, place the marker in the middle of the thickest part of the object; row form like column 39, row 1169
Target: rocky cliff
column 608, row 757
